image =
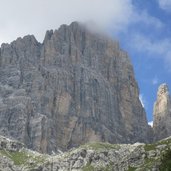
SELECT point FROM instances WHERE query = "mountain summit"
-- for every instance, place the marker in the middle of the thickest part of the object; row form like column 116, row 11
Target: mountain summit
column 162, row 113
column 75, row 87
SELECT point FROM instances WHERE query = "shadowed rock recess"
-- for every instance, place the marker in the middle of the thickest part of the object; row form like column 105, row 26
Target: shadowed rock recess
column 75, row 87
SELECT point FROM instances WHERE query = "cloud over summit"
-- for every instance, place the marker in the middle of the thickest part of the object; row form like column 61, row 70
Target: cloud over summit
column 21, row 17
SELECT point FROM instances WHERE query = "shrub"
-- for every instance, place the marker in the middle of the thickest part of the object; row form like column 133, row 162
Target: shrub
column 166, row 161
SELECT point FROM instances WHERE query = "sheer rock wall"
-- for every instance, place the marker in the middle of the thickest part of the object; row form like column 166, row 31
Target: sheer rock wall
column 75, row 87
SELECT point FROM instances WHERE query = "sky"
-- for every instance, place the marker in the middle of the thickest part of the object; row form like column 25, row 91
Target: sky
column 143, row 28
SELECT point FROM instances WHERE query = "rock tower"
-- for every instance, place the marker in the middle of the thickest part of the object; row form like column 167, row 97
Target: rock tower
column 75, row 87
column 162, row 113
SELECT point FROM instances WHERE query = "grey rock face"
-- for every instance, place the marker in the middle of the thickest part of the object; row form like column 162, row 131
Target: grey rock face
column 75, row 87
column 10, row 145
column 162, row 113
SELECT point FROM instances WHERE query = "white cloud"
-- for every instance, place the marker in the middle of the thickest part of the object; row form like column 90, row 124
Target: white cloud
column 150, row 123
column 147, row 19
column 144, row 43
column 165, row 5
column 21, row 17
column 142, row 100
column 155, row 80
column 154, row 48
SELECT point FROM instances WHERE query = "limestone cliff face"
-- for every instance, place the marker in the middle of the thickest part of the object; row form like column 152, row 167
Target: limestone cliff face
column 162, row 113
column 75, row 87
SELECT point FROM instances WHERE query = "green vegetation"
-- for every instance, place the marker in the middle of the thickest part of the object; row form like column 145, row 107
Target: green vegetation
column 23, row 158
column 166, row 161
column 30, row 160
column 149, row 147
column 100, row 146
column 131, row 168
column 88, row 167
column 166, row 142
column 153, row 146
column 108, row 168
column 18, row 157
column 148, row 164
column 97, row 146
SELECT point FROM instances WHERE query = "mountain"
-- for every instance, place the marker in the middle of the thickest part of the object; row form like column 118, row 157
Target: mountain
column 76, row 87
column 162, row 113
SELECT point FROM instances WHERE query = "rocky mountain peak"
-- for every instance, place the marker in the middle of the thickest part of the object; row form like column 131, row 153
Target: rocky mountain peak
column 162, row 113
column 75, row 87
column 163, row 90
column 48, row 35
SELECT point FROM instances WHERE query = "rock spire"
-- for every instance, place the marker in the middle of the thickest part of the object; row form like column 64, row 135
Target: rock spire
column 162, row 113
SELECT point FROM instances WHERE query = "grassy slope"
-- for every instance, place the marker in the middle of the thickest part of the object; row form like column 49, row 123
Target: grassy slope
column 31, row 160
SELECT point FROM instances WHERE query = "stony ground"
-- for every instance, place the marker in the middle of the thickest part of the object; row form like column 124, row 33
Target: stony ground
column 90, row 157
